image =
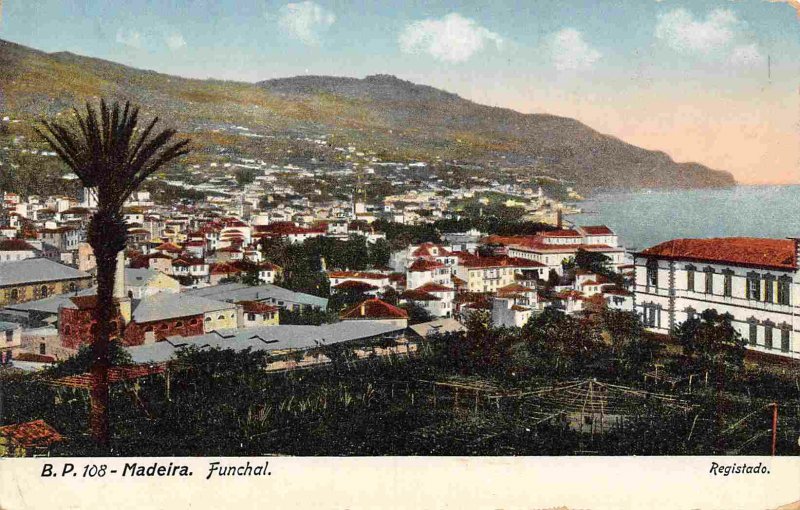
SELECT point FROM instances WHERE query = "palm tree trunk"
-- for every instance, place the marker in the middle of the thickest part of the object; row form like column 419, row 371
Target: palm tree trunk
column 103, row 315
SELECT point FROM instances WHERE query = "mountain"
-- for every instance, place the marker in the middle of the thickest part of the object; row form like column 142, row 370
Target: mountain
column 395, row 118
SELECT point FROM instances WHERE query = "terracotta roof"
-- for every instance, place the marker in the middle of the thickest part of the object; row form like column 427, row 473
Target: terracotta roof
column 420, row 265
column 115, row 375
column 744, row 251
column 15, row 245
column 418, row 295
column 224, row 268
column 355, row 285
column 435, row 287
column 32, row 433
column 598, row 230
column 168, row 247
column 373, row 309
column 474, row 261
column 425, row 250
column 514, row 288
column 257, row 307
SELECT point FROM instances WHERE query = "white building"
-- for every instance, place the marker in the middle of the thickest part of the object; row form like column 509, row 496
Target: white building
column 754, row 280
column 554, row 247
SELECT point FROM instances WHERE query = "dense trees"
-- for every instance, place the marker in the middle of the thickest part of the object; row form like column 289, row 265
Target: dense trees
column 711, row 343
column 303, row 263
column 223, row 402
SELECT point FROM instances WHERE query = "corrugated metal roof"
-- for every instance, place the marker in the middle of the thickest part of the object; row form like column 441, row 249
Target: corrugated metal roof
column 166, row 306
column 37, row 270
column 240, row 292
column 267, row 338
column 438, row 326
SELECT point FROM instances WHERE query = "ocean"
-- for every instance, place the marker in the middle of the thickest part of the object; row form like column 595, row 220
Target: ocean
column 643, row 219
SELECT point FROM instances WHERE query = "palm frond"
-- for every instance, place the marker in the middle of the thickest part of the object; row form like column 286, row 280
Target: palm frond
column 104, row 148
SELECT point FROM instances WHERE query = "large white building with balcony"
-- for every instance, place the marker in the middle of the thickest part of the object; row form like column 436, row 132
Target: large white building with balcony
column 754, row 280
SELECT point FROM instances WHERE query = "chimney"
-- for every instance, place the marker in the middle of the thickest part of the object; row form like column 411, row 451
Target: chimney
column 119, row 277
column 796, row 249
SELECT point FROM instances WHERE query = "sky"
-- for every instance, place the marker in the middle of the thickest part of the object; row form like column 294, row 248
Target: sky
column 712, row 81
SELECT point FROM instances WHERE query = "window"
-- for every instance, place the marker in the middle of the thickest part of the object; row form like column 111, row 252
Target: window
column 753, row 286
column 785, row 332
column 690, row 277
column 651, row 316
column 709, row 280
column 251, row 316
column 163, row 327
column 10, row 336
column 42, row 348
column 14, row 294
column 43, row 291
column 221, row 318
column 784, row 287
column 652, row 273
column 727, row 286
column 753, row 334
column 179, row 324
column 72, row 287
column 208, row 319
column 193, row 322
column 769, row 288
column 768, row 327
column 691, row 313
column 67, row 330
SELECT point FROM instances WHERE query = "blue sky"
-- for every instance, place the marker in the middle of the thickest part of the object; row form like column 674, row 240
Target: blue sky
column 688, row 77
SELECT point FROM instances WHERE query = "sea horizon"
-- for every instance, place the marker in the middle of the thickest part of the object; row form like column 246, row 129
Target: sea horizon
column 648, row 217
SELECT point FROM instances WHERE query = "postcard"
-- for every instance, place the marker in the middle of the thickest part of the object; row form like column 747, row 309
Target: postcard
column 349, row 254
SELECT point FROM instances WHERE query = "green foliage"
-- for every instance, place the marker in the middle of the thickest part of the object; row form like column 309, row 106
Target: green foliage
column 711, row 343
column 81, row 362
column 245, row 176
column 632, row 348
column 400, row 236
column 308, row 316
column 416, row 313
column 302, row 262
column 564, row 345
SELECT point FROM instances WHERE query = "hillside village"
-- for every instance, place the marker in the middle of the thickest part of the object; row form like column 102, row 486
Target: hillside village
column 200, row 267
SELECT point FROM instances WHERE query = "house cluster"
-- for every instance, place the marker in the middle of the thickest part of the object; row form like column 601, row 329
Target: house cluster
column 453, row 281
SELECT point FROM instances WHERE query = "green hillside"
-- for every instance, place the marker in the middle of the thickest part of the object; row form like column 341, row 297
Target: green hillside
column 394, row 118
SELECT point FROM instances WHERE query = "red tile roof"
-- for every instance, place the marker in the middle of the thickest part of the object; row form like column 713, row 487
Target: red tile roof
column 257, row 307
column 115, row 375
column 434, row 287
column 373, row 309
column 474, row 261
column 421, row 265
column 355, row 285
column 418, row 295
column 425, row 250
column 32, row 433
column 598, row 230
column 15, row 245
column 744, row 251
column 168, row 247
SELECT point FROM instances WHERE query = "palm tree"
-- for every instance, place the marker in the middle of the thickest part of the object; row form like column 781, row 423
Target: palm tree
column 110, row 154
